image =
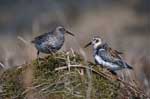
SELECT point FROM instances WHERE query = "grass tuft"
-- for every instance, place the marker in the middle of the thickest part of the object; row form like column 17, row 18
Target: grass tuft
column 51, row 78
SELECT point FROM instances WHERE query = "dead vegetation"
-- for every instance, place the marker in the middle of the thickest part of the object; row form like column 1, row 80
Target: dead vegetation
column 64, row 75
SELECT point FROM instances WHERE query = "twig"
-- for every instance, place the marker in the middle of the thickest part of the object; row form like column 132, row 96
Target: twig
column 83, row 67
column 72, row 51
column 32, row 88
column 68, row 61
column 88, row 92
column 103, row 75
column 23, row 40
column 132, row 87
column 2, row 65
column 53, row 84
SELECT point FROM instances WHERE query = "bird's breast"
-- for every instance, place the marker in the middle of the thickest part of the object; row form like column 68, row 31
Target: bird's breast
column 106, row 64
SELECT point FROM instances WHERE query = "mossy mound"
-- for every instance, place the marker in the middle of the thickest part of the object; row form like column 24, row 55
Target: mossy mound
column 11, row 82
column 61, row 76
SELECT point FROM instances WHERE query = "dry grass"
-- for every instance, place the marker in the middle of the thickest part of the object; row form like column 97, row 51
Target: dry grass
column 60, row 77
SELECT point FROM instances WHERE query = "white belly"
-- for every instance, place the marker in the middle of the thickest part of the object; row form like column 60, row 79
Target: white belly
column 106, row 64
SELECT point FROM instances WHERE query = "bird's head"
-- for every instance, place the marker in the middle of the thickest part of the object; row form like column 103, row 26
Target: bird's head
column 63, row 30
column 96, row 42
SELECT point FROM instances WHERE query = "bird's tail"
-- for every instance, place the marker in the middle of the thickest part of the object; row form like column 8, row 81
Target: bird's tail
column 33, row 41
column 125, row 64
column 128, row 66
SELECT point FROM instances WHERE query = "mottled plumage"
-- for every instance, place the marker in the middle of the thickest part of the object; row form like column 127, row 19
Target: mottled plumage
column 106, row 56
column 114, row 53
column 52, row 41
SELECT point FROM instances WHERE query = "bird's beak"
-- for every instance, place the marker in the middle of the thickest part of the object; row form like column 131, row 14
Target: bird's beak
column 70, row 33
column 87, row 44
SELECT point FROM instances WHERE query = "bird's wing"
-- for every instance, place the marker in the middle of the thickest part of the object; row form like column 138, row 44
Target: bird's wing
column 51, row 42
column 103, row 53
column 40, row 38
column 114, row 53
column 106, row 56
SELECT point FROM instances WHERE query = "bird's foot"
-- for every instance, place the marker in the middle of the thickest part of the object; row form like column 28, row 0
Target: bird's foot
column 112, row 72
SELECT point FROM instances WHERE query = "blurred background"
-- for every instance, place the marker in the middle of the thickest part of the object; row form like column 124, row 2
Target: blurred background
column 123, row 24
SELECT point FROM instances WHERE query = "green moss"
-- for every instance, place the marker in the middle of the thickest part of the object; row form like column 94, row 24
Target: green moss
column 63, row 84
column 69, row 85
column 11, row 82
column 104, row 88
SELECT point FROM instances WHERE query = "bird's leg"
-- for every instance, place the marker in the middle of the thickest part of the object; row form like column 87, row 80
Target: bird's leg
column 113, row 72
column 38, row 52
column 51, row 54
column 103, row 69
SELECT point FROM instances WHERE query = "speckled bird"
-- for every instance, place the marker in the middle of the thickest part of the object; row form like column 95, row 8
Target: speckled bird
column 106, row 56
column 51, row 42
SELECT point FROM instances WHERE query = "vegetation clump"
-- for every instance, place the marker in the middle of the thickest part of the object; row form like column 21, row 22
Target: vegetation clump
column 11, row 83
column 60, row 76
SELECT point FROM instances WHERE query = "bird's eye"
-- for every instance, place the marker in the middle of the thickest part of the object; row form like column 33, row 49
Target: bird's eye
column 97, row 41
column 62, row 29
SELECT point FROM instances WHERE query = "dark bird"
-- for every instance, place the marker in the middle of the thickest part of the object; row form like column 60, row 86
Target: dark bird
column 106, row 56
column 51, row 42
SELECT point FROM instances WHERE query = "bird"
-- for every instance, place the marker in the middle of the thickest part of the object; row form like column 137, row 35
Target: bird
column 52, row 41
column 106, row 56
